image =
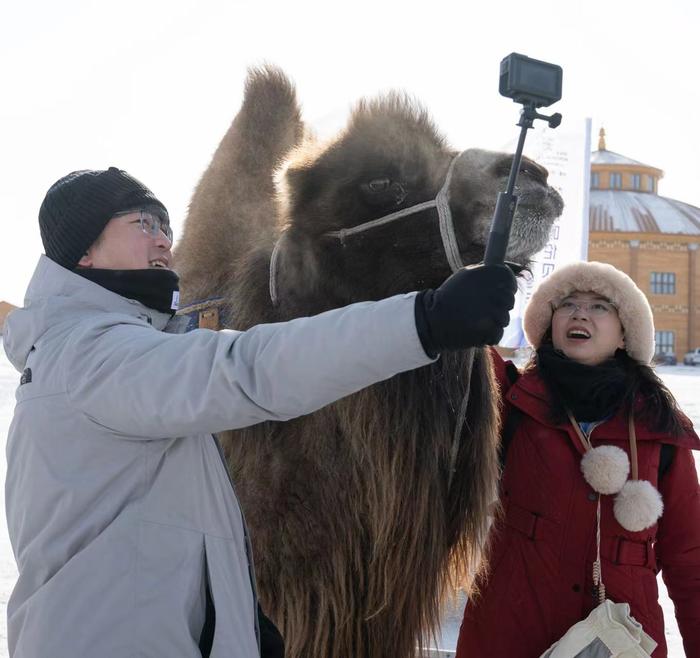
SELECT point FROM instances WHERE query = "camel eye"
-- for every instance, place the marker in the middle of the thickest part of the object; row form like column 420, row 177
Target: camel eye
column 383, row 192
column 539, row 174
column 379, row 185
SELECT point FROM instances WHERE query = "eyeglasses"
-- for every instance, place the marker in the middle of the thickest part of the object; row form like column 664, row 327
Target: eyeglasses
column 152, row 223
column 597, row 308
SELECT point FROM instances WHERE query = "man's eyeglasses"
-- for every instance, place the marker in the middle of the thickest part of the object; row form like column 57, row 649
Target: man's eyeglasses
column 597, row 307
column 152, row 223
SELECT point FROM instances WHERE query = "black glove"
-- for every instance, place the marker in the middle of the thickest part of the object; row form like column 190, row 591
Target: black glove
column 469, row 309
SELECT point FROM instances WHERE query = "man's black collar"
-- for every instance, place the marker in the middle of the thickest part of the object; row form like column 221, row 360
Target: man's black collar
column 153, row 287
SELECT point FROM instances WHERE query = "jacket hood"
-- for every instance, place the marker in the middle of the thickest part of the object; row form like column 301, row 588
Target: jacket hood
column 55, row 296
column 530, row 395
column 605, row 280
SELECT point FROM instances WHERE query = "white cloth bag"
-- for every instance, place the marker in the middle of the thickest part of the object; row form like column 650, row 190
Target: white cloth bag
column 608, row 632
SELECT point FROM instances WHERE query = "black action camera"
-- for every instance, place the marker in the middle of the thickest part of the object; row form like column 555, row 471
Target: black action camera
column 533, row 84
column 530, row 81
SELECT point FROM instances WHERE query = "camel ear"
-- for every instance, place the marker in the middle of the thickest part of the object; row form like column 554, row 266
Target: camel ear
column 304, row 183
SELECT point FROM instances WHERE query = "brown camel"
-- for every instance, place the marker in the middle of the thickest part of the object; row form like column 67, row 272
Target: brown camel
column 359, row 528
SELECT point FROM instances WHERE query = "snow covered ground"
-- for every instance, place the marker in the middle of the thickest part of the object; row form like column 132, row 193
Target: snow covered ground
column 683, row 381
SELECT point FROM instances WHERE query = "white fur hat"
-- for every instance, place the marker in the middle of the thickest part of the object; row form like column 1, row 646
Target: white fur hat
column 602, row 279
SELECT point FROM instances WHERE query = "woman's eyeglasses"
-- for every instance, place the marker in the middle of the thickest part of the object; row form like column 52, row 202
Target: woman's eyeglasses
column 596, row 308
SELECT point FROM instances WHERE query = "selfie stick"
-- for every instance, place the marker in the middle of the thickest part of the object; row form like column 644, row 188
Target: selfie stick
column 507, row 201
column 532, row 83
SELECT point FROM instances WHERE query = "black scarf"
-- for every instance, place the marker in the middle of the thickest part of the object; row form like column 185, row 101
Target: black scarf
column 153, row 287
column 590, row 392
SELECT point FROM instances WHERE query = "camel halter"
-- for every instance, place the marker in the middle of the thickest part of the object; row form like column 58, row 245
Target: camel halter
column 447, row 231
column 449, row 242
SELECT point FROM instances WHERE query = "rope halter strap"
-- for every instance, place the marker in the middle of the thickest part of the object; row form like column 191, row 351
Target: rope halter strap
column 447, row 231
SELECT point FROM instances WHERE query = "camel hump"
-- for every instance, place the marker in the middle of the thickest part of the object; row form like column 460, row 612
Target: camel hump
column 267, row 88
column 269, row 119
column 232, row 208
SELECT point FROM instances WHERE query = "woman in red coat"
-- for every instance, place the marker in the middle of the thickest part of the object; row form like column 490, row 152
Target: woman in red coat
column 593, row 332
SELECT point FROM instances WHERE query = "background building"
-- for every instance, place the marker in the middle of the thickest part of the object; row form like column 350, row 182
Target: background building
column 5, row 308
column 653, row 239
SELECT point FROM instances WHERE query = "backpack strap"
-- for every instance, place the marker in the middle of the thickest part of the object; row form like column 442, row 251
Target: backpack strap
column 512, row 372
column 668, row 452
column 512, row 420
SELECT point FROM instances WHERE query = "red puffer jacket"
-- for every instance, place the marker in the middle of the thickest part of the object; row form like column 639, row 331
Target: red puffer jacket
column 539, row 579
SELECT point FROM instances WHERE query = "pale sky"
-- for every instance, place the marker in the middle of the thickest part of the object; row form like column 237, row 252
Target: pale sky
column 151, row 86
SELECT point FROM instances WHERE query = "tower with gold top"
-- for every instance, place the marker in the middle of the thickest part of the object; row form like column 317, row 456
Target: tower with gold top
column 652, row 238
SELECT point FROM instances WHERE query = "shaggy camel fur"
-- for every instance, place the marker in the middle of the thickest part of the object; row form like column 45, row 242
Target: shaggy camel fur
column 357, row 536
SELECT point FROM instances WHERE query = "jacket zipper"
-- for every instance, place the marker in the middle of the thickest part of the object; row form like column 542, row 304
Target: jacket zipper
column 248, row 544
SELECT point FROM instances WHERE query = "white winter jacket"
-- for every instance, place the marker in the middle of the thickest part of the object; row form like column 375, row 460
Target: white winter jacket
column 119, row 506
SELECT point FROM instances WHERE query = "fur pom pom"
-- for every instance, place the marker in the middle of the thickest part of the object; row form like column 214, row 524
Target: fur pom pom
column 606, row 468
column 638, row 505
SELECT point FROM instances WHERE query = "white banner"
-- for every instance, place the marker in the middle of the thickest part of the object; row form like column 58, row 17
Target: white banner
column 566, row 153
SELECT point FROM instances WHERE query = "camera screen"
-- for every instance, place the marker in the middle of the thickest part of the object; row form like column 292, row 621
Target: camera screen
column 537, row 77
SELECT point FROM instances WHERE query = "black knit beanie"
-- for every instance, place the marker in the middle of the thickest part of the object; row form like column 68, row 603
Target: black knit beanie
column 78, row 206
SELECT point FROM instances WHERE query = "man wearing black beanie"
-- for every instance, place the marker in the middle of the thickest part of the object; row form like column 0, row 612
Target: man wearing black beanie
column 127, row 532
column 77, row 208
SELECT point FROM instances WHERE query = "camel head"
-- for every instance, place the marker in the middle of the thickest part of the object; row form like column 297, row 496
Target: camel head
column 339, row 247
